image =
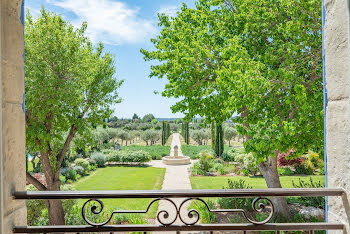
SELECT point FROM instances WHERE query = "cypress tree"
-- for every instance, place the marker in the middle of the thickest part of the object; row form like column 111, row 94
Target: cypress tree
column 219, row 140
column 168, row 131
column 212, row 131
column 163, row 133
column 182, row 129
column 187, row 133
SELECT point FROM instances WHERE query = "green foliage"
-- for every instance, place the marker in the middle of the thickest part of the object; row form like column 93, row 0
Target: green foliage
column 229, row 134
column 99, row 158
column 62, row 179
column 305, row 168
column 229, row 154
column 240, row 57
column 68, row 204
column 310, row 201
column 204, row 165
column 248, row 163
column 83, row 163
column 79, row 170
column 70, row 86
column 70, row 174
column 212, row 134
column 311, row 164
column 219, row 140
column 148, row 118
column 200, row 136
column 218, row 167
column 194, row 151
column 257, row 182
column 138, row 157
column 156, row 151
column 165, row 132
column 150, row 136
column 236, row 203
column 205, row 215
column 34, row 207
column 285, row 171
column 185, row 132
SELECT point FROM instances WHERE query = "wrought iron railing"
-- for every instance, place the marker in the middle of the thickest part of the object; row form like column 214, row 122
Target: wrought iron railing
column 168, row 224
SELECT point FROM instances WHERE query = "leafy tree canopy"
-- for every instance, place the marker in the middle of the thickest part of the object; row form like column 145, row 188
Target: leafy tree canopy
column 148, row 118
column 70, row 86
column 260, row 59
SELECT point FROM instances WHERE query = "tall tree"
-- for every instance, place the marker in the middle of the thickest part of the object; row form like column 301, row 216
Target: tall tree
column 70, row 86
column 163, row 133
column 219, row 140
column 212, row 134
column 148, row 118
column 135, row 117
column 260, row 59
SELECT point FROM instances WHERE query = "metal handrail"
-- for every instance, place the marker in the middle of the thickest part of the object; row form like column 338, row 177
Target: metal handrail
column 274, row 192
column 189, row 195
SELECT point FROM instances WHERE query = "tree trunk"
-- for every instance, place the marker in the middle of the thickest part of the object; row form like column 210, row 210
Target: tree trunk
column 56, row 214
column 229, row 143
column 269, row 171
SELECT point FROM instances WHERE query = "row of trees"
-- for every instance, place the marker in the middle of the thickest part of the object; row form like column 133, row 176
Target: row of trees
column 258, row 59
column 185, row 132
column 202, row 136
column 165, row 132
column 111, row 135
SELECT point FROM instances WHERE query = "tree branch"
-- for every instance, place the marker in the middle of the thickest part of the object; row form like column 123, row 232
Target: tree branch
column 35, row 182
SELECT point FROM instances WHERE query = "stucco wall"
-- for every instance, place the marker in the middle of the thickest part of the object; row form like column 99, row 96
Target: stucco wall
column 336, row 45
column 12, row 127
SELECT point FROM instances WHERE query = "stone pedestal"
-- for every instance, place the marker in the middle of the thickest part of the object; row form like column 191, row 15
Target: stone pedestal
column 12, row 124
column 336, row 46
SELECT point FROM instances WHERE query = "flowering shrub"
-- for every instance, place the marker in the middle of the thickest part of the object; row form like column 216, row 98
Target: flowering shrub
column 286, row 159
column 248, row 163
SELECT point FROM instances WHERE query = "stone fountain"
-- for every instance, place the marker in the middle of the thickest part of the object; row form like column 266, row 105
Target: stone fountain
column 176, row 159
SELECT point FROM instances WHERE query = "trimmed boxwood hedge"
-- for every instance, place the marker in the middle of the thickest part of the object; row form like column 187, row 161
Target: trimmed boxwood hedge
column 138, row 157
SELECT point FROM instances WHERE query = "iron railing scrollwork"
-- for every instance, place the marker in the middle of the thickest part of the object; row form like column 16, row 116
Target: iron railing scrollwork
column 163, row 215
column 189, row 219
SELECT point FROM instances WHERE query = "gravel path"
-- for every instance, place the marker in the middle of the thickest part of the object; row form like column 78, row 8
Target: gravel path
column 176, row 177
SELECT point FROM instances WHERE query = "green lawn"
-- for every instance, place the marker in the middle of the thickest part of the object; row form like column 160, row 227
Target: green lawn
column 193, row 150
column 217, row 182
column 124, row 178
column 30, row 165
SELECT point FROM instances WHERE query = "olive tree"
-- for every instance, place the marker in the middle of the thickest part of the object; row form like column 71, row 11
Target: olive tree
column 229, row 134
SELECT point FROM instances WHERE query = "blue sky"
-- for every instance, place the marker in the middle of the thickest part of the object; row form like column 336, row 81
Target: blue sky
column 123, row 27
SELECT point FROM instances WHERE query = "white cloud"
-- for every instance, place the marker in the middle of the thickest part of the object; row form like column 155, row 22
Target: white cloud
column 111, row 22
column 169, row 10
